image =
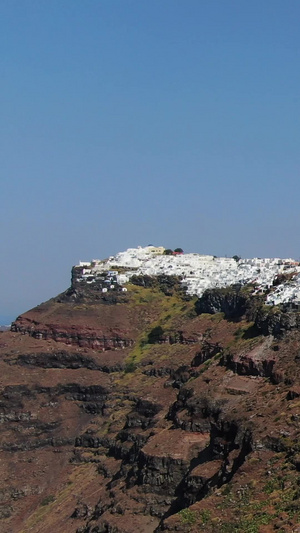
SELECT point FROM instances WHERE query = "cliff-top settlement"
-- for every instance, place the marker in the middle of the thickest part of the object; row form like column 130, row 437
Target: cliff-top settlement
column 199, row 272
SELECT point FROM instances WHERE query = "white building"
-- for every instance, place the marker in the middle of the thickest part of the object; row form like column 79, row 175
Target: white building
column 200, row 272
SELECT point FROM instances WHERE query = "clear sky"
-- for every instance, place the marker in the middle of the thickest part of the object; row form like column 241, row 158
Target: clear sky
column 129, row 122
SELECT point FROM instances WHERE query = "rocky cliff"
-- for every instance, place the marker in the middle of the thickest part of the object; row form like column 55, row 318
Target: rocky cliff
column 149, row 411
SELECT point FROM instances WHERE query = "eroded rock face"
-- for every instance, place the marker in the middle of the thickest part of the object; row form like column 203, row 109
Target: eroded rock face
column 232, row 302
column 270, row 322
column 156, row 436
column 246, row 365
column 236, row 303
column 63, row 359
column 208, row 350
column 83, row 337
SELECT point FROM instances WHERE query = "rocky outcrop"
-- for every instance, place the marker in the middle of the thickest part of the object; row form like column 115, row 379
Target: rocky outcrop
column 246, row 365
column 184, row 373
column 82, row 337
column 193, row 412
column 34, row 432
column 260, row 361
column 273, row 321
column 143, row 415
column 234, row 302
column 208, row 350
column 162, row 474
column 158, row 336
column 64, row 359
column 293, row 393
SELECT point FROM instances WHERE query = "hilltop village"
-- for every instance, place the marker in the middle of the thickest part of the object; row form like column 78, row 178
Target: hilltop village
column 278, row 278
column 127, row 405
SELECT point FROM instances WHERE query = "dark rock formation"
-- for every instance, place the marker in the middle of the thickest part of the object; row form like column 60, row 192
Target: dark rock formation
column 167, row 284
column 237, row 302
column 273, row 321
column 64, row 359
column 232, row 301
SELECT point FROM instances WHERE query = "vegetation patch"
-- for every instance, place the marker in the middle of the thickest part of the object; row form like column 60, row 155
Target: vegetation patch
column 187, row 516
column 168, row 309
column 48, row 499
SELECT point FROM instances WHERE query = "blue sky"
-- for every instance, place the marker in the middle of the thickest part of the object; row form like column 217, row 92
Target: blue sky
column 129, row 122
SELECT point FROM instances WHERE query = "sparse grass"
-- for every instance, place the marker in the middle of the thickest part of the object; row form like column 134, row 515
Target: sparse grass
column 187, row 516
column 205, row 516
column 250, row 524
column 44, row 513
column 239, row 333
column 217, row 317
column 217, row 356
column 205, row 366
column 253, row 508
column 168, row 308
column 243, row 342
column 142, row 295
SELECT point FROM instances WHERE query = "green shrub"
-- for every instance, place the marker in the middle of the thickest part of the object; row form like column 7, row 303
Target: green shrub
column 130, row 367
column 48, row 499
column 155, row 335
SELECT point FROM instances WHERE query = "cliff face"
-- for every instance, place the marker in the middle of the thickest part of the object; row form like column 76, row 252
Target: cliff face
column 146, row 411
column 236, row 302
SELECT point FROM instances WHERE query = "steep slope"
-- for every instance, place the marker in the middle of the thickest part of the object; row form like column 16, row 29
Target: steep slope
column 139, row 411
